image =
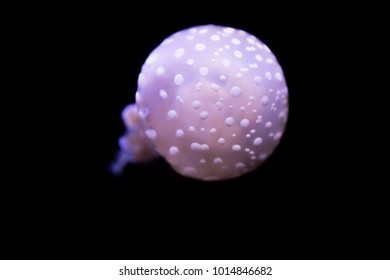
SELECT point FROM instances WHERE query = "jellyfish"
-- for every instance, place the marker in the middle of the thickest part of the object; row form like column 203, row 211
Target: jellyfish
column 211, row 100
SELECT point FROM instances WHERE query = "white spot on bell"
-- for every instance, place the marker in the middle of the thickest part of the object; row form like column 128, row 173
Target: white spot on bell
column 203, row 71
column 244, row 122
column 264, row 100
column 278, row 76
column 173, row 151
column 277, row 136
column 219, row 105
column 179, row 52
column 228, row 30
column 151, row 58
column 259, row 57
column 199, row 147
column 240, row 166
column 160, row 71
column 143, row 112
column 189, row 171
column 151, row 134
column 179, row 133
column 236, row 148
column 229, row 121
column 203, row 115
column 235, row 91
column 237, row 54
column 236, row 41
column 257, row 141
column 172, row 114
column 200, row 47
column 196, row 104
column 214, row 86
column 257, row 80
column 215, row 37
column 178, row 79
column 163, row 94
column 226, row 62
column 138, row 97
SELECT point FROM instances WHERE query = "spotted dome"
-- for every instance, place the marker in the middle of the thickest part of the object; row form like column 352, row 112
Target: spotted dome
column 213, row 101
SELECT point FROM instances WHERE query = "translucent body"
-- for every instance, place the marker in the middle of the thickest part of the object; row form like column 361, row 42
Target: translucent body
column 212, row 101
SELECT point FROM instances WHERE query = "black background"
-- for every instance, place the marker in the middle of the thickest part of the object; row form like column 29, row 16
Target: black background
column 322, row 195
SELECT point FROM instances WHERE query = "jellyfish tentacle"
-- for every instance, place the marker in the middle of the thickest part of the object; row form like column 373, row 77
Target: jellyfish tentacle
column 134, row 145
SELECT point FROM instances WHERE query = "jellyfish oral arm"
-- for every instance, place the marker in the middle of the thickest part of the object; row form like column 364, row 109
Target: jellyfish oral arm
column 134, row 145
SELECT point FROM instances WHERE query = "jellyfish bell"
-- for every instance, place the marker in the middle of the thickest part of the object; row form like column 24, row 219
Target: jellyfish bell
column 211, row 100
